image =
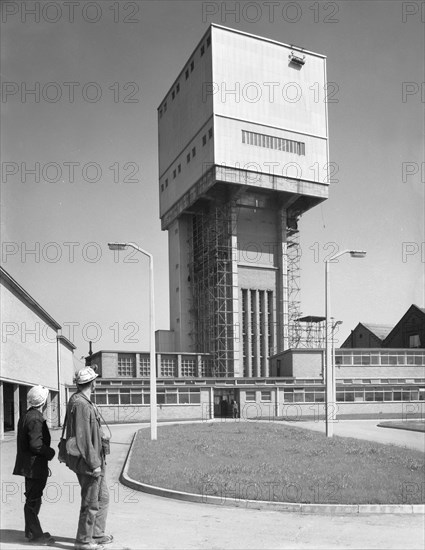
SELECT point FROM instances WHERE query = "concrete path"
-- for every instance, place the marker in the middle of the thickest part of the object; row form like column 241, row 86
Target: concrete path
column 141, row 521
column 369, row 429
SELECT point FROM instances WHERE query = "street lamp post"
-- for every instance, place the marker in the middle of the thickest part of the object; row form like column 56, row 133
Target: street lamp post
column 333, row 367
column 330, row 412
column 153, row 408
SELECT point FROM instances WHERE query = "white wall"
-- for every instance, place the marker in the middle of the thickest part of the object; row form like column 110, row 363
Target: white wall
column 28, row 351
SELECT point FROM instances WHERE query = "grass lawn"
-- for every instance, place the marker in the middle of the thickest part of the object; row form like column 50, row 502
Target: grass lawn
column 271, row 461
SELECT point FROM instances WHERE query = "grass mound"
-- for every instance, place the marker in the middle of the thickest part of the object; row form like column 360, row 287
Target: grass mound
column 270, row 461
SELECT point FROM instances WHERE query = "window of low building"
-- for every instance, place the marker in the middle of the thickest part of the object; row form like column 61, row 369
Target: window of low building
column 250, row 395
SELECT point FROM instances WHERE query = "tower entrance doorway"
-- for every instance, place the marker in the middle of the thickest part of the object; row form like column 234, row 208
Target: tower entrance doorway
column 223, row 401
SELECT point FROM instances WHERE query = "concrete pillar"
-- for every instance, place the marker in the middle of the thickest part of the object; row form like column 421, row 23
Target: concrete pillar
column 179, row 365
column 248, row 334
column 257, row 359
column 272, row 321
column 276, row 412
column 137, row 373
column 198, row 366
column 211, row 403
column 48, row 414
column 1, row 411
column 15, row 406
column 265, row 360
column 237, row 362
column 282, row 284
column 157, row 366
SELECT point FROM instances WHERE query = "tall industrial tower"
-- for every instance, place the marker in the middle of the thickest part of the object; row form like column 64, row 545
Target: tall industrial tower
column 243, row 152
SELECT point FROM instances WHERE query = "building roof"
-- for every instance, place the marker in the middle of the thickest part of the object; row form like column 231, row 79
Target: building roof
column 311, row 319
column 412, row 308
column 380, row 331
column 236, row 31
column 16, row 288
column 66, row 342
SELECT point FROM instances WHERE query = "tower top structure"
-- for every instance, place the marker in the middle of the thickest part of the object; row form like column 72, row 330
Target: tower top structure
column 247, row 111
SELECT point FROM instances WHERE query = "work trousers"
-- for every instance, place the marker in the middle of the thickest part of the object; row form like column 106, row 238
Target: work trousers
column 33, row 492
column 94, row 508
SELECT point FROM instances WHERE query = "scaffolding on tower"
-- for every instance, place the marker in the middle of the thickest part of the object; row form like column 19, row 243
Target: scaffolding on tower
column 211, row 278
column 293, row 253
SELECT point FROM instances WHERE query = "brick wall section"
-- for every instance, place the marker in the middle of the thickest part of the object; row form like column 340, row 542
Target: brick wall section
column 109, row 365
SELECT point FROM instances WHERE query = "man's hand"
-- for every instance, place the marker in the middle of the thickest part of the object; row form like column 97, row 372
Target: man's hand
column 97, row 471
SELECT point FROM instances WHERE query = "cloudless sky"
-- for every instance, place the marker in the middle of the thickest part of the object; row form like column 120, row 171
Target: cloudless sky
column 120, row 59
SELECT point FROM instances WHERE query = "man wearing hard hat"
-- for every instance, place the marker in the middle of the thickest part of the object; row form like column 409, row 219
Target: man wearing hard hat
column 86, row 458
column 33, row 453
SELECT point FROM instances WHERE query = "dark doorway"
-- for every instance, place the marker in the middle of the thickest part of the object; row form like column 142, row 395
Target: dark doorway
column 8, row 404
column 223, row 399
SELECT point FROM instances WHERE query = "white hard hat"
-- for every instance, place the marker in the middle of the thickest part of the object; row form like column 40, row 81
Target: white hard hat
column 37, row 396
column 85, row 375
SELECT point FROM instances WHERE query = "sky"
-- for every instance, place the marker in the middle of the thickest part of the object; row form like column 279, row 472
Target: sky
column 80, row 86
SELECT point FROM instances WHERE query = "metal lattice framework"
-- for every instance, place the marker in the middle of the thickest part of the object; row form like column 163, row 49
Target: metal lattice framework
column 313, row 331
column 294, row 277
column 211, row 272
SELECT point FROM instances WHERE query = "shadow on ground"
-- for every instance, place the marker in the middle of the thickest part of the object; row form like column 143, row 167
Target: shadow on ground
column 413, row 425
column 14, row 536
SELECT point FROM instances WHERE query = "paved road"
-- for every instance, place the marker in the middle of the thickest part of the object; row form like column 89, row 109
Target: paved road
column 369, row 429
column 141, row 521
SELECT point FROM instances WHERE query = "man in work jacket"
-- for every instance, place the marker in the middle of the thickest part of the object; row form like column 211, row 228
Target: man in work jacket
column 33, row 453
column 87, row 460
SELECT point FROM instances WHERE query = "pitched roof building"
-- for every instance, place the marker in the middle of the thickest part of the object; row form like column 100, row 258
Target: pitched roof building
column 409, row 332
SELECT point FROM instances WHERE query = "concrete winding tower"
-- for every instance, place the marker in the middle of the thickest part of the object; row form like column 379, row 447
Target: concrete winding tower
column 243, row 152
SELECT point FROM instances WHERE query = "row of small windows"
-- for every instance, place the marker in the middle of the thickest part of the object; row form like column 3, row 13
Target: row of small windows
column 187, row 72
column 273, row 142
column 122, row 396
column 379, row 358
column 184, row 396
column 168, row 367
column 189, row 156
column 266, row 396
column 355, row 394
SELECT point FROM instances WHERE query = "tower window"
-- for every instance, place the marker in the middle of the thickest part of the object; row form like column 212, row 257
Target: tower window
column 208, row 41
column 166, row 182
column 192, row 66
column 210, row 133
column 202, row 50
column 174, row 174
column 204, row 140
column 194, row 152
column 273, row 142
column 179, row 168
column 177, row 88
column 188, row 158
column 173, row 95
column 186, row 74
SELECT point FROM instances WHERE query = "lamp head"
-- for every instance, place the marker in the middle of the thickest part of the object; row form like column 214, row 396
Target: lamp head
column 357, row 253
column 117, row 246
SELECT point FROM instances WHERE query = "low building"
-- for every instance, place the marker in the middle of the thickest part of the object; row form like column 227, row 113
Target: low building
column 408, row 333
column 370, row 382
column 367, row 335
column 33, row 352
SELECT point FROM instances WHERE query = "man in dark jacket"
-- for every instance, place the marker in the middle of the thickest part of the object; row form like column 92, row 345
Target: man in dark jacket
column 87, row 459
column 33, row 453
